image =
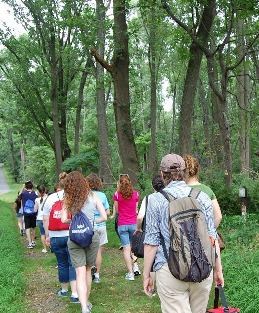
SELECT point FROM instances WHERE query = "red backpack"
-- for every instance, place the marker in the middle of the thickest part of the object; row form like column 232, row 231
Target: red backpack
column 55, row 217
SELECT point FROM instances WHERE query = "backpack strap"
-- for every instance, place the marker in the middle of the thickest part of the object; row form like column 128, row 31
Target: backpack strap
column 143, row 226
column 167, row 195
column 219, row 292
column 194, row 193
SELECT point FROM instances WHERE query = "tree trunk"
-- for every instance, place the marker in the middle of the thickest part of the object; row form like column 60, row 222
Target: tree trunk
column 120, row 75
column 152, row 161
column 192, row 76
column 243, row 101
column 54, row 103
column 203, row 99
column 80, row 100
column 105, row 170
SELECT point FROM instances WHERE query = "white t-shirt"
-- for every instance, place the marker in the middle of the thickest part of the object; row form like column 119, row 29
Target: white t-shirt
column 142, row 210
column 54, row 197
column 40, row 207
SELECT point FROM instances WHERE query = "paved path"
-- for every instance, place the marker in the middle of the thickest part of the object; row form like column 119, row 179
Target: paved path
column 3, row 184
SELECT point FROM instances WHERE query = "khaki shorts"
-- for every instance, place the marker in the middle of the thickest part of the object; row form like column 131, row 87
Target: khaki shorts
column 83, row 256
column 102, row 232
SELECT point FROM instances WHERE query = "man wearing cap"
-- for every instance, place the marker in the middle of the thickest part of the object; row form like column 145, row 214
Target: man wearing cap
column 176, row 296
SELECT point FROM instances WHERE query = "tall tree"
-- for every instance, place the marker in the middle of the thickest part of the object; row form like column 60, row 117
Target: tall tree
column 105, row 170
column 119, row 70
column 199, row 33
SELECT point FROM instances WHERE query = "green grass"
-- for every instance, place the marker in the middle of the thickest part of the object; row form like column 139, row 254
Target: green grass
column 11, row 263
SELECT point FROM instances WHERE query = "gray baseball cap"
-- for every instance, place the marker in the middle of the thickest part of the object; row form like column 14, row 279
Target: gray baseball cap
column 172, row 162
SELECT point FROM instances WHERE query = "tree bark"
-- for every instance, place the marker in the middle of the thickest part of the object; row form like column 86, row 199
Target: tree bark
column 105, row 171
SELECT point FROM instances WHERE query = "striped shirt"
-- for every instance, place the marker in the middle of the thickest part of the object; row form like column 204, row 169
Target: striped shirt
column 157, row 217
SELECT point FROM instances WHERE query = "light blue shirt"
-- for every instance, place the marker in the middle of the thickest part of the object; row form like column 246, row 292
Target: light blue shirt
column 105, row 203
column 157, row 217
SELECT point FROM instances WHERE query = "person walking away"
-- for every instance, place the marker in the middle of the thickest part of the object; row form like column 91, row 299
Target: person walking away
column 28, row 197
column 82, row 200
column 192, row 179
column 19, row 214
column 38, row 208
column 57, row 234
column 179, row 293
column 96, row 185
column 126, row 205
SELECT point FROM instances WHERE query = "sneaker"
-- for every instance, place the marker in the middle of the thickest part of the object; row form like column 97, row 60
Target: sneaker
column 74, row 299
column 136, row 269
column 44, row 251
column 62, row 293
column 21, row 232
column 97, row 280
column 129, row 276
column 30, row 246
column 93, row 271
column 121, row 248
column 89, row 306
column 33, row 243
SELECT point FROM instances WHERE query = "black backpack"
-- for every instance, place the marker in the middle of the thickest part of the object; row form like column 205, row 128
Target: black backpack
column 192, row 254
column 137, row 244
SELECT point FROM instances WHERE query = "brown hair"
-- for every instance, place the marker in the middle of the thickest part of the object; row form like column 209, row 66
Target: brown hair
column 94, row 182
column 192, row 165
column 76, row 190
column 125, row 187
column 62, row 176
column 172, row 176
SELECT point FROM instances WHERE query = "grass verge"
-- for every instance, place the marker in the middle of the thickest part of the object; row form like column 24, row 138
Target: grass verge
column 11, row 263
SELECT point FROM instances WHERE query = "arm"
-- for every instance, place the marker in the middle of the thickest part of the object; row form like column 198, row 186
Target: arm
column 217, row 212
column 115, row 209
column 36, row 206
column 64, row 216
column 46, row 227
column 149, row 257
column 101, row 209
column 218, row 274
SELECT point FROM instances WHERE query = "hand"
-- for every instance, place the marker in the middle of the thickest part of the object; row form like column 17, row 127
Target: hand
column 47, row 241
column 218, row 278
column 137, row 231
column 148, row 285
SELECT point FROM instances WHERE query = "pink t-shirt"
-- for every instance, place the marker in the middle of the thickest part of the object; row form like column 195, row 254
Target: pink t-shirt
column 127, row 208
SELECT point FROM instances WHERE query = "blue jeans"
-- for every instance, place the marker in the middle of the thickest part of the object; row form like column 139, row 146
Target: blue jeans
column 126, row 232
column 66, row 272
column 41, row 227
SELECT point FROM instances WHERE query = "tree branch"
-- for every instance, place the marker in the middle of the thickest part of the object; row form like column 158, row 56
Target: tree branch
column 99, row 59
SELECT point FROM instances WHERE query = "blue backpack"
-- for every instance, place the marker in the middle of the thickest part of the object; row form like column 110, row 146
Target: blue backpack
column 28, row 207
column 81, row 230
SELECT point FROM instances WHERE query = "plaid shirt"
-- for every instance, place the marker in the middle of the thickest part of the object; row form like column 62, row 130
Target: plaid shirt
column 157, row 217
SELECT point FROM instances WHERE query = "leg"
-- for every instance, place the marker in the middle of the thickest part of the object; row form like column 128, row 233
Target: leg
column 88, row 281
column 127, row 257
column 81, row 284
column 199, row 294
column 98, row 261
column 59, row 247
column 28, row 235
column 173, row 293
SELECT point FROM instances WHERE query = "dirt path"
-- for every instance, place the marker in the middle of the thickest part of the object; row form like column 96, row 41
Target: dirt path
column 42, row 283
column 3, row 184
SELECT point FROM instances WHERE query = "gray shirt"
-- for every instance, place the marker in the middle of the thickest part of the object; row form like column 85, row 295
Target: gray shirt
column 157, row 217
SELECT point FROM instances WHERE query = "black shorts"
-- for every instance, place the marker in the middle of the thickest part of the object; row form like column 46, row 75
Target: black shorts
column 30, row 221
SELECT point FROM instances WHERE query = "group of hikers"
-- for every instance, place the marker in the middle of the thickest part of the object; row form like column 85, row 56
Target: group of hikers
column 179, row 221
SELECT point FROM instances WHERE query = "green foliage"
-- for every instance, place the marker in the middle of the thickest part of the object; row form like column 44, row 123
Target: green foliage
column 12, row 283
column 86, row 161
column 40, row 165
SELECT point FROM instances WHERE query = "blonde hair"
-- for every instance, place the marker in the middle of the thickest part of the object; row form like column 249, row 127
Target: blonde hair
column 192, row 165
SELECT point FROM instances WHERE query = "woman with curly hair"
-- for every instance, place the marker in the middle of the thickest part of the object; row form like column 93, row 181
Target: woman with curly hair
column 96, row 185
column 80, row 198
column 192, row 179
column 57, row 236
column 126, row 204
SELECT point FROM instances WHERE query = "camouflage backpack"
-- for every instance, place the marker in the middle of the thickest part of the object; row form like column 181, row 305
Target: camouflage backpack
column 191, row 255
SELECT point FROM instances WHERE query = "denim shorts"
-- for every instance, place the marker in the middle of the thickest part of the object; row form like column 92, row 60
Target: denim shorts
column 40, row 225
column 126, row 232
